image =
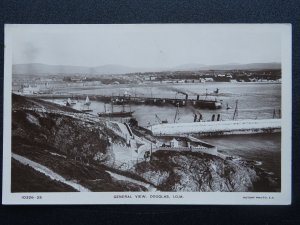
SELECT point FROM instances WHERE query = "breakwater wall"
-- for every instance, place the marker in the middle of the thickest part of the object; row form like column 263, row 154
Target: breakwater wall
column 219, row 127
column 212, row 150
column 137, row 100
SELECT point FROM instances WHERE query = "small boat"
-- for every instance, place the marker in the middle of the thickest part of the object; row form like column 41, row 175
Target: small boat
column 228, row 107
column 86, row 110
column 68, row 103
column 160, row 120
column 86, row 105
column 87, row 101
column 217, row 91
column 115, row 114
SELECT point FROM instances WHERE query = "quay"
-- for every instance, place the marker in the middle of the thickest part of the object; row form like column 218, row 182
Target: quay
column 218, row 127
column 136, row 100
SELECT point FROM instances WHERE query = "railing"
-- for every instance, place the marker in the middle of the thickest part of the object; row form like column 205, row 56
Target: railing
column 212, row 151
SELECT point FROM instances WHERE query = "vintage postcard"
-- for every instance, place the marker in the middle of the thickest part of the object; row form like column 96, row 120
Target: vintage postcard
column 147, row 114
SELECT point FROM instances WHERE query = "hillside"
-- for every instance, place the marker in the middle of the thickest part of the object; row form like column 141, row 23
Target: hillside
column 44, row 69
column 56, row 148
column 200, row 172
column 64, row 141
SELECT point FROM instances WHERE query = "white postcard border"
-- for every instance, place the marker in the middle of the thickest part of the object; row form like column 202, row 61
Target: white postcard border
column 239, row 198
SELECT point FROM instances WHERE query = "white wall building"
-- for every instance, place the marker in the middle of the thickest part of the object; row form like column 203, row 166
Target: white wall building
column 30, row 89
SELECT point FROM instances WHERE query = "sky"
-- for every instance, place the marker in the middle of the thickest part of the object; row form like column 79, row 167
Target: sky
column 145, row 46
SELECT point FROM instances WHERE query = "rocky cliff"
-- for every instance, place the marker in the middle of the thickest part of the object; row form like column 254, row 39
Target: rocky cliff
column 77, row 147
column 190, row 171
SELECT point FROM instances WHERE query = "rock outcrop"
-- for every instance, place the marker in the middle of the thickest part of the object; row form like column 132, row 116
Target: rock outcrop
column 77, row 147
column 200, row 172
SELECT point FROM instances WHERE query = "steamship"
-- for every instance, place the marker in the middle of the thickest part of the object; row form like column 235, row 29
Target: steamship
column 122, row 113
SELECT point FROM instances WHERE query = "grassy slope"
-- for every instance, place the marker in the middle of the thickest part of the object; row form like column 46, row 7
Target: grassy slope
column 75, row 141
column 26, row 179
column 47, row 133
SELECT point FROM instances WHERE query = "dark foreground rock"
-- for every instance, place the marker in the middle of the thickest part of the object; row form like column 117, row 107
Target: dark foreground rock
column 78, row 148
column 68, row 145
column 26, row 179
column 173, row 171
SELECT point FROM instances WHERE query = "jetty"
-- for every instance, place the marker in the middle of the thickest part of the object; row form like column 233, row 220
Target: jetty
column 218, row 127
column 140, row 100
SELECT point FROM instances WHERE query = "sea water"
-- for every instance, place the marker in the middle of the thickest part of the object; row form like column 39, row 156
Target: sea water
column 255, row 101
column 263, row 149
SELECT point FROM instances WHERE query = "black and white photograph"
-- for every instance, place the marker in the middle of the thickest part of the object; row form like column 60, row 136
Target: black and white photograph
column 144, row 113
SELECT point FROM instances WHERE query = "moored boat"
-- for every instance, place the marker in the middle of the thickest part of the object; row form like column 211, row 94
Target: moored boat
column 68, row 103
column 87, row 101
column 115, row 114
column 86, row 110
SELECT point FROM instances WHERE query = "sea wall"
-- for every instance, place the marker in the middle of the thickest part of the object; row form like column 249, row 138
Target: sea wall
column 242, row 131
column 212, row 150
column 219, row 127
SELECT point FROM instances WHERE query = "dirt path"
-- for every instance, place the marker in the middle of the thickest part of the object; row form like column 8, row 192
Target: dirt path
column 42, row 169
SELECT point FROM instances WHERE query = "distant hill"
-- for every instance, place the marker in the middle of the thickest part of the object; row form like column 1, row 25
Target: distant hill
column 233, row 66
column 186, row 67
column 116, row 69
column 44, row 69
column 251, row 66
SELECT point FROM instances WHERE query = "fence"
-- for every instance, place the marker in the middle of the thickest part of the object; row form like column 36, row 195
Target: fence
column 212, row 150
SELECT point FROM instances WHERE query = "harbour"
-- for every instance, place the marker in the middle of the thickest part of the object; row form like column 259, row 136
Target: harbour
column 248, row 106
column 110, row 121
column 135, row 100
column 119, row 103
